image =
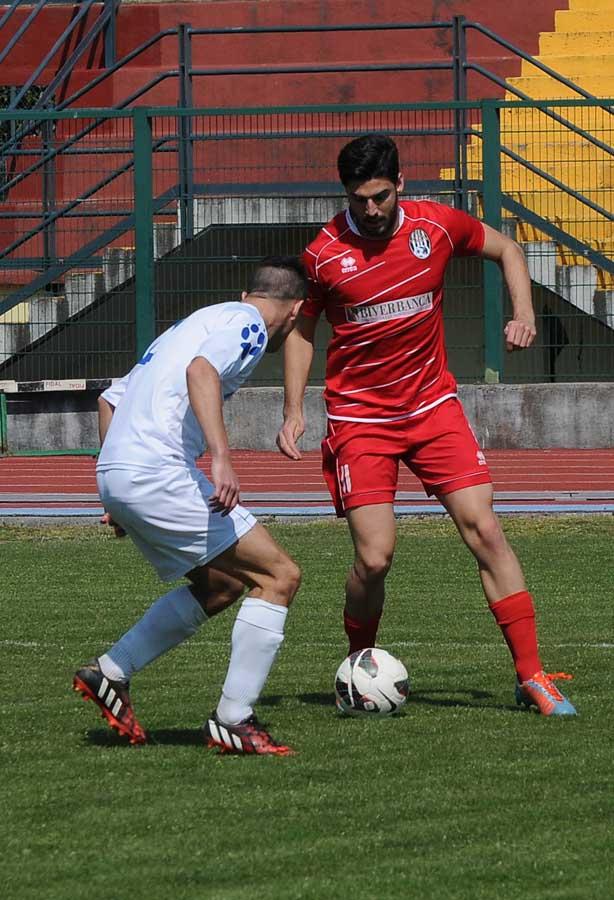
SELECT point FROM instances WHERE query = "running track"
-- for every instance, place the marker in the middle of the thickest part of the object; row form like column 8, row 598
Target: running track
column 526, row 481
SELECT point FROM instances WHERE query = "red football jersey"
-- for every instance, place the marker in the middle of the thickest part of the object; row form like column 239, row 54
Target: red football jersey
column 387, row 359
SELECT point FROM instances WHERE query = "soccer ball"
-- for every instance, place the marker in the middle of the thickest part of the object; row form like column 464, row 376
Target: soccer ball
column 372, row 682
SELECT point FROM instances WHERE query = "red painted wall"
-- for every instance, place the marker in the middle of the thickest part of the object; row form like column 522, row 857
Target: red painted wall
column 519, row 22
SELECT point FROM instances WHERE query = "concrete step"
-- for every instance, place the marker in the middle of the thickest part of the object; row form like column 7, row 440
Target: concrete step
column 578, row 284
column 32, row 319
column 593, row 19
column 543, row 87
column 583, row 5
column 531, row 128
column 18, row 314
column 594, row 180
column 590, row 64
column 264, row 210
column 604, row 307
column 588, row 174
column 552, row 153
column 554, row 43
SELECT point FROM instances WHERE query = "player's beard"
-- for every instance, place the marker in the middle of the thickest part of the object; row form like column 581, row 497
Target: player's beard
column 383, row 226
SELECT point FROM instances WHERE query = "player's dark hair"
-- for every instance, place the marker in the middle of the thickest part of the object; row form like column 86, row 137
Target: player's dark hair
column 279, row 277
column 373, row 155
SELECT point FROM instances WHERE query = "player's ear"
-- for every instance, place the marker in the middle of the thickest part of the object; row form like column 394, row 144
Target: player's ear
column 296, row 309
column 243, row 295
column 400, row 183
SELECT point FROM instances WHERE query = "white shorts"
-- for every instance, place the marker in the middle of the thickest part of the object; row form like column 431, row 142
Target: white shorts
column 167, row 515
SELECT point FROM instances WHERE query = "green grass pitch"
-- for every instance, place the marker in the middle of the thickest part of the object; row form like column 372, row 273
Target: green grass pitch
column 462, row 796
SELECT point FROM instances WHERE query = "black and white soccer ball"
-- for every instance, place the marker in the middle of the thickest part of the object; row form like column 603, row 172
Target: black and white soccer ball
column 371, row 682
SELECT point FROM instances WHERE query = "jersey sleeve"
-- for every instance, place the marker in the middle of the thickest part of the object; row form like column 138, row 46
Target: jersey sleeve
column 466, row 232
column 234, row 349
column 114, row 393
column 315, row 302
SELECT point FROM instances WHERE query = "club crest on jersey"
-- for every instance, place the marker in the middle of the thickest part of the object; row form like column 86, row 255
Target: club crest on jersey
column 251, row 334
column 348, row 264
column 420, row 243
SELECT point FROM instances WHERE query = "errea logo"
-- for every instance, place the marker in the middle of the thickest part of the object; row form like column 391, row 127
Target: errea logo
column 348, row 264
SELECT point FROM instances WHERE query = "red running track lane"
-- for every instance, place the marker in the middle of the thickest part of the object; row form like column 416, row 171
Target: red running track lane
column 512, row 470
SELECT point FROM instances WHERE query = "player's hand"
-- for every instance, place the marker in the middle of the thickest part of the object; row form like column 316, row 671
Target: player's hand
column 519, row 334
column 226, row 494
column 107, row 519
column 290, row 432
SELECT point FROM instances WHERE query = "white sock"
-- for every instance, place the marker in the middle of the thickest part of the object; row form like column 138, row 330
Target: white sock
column 171, row 619
column 256, row 637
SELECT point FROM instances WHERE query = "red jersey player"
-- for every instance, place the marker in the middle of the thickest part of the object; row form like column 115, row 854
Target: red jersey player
column 377, row 272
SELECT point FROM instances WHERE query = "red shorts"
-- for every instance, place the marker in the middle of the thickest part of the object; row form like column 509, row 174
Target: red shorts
column 360, row 460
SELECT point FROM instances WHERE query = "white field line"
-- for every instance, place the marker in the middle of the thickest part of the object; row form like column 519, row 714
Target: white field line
column 456, row 645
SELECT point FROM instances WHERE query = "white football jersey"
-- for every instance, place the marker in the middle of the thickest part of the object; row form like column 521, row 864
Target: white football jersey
column 153, row 423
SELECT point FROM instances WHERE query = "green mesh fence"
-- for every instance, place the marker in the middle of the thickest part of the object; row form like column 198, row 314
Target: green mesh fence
column 557, row 178
column 115, row 225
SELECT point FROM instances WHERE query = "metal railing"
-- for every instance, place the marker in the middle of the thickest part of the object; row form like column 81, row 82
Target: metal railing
column 458, row 63
column 43, row 251
column 86, row 37
column 262, row 181
column 104, row 23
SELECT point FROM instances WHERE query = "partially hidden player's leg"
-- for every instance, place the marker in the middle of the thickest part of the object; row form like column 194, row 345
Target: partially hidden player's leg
column 173, row 618
column 504, row 586
column 273, row 579
column 373, row 531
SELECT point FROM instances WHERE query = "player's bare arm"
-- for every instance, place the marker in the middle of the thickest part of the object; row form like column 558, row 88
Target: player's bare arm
column 298, row 356
column 105, row 414
column 205, row 395
column 520, row 331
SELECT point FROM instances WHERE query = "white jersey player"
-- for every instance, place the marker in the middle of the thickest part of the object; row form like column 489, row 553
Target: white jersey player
column 154, row 424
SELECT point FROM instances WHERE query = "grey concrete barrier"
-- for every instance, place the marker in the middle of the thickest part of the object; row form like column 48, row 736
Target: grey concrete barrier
column 520, row 416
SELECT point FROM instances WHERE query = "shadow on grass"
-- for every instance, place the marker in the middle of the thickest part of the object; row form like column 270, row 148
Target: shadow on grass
column 468, row 699
column 106, row 737
column 318, row 699
column 460, row 698
column 157, row 736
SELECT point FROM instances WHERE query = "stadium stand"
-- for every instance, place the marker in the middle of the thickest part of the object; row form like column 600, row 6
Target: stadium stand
column 71, row 257
column 581, row 48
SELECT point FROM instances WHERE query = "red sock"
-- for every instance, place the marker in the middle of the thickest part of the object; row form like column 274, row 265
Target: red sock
column 515, row 617
column 361, row 634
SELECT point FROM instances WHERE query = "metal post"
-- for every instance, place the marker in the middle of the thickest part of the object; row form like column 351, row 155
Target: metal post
column 459, row 58
column 4, row 437
column 49, row 195
column 145, row 314
column 110, row 33
column 186, row 152
column 13, row 124
column 493, row 280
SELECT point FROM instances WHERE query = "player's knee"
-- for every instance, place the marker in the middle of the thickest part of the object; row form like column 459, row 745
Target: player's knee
column 488, row 536
column 373, row 566
column 288, row 579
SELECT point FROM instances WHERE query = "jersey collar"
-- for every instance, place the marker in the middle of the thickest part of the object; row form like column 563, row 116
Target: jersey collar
column 351, row 225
